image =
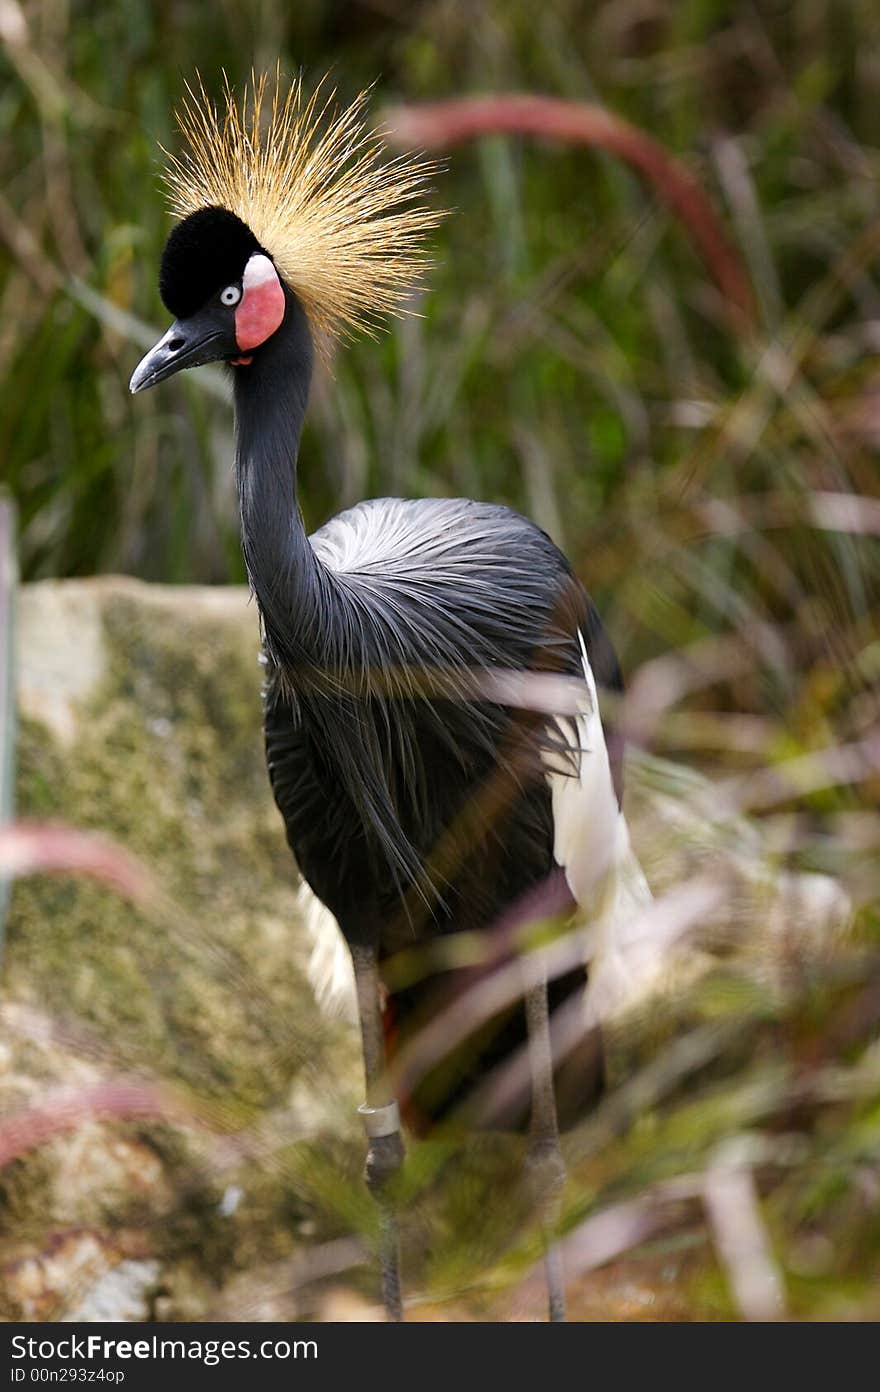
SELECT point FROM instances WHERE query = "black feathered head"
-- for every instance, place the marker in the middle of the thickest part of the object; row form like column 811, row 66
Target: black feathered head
column 279, row 190
column 205, row 252
column 342, row 224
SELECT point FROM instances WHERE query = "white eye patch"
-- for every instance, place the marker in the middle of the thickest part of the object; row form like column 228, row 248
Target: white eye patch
column 231, row 295
column 259, row 271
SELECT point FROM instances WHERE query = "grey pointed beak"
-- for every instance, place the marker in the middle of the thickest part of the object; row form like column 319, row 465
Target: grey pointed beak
column 202, row 338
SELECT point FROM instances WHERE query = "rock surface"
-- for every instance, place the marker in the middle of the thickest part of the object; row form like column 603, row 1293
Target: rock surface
column 235, row 1182
column 139, row 717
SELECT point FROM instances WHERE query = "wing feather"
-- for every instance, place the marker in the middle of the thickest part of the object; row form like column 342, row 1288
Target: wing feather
column 592, row 845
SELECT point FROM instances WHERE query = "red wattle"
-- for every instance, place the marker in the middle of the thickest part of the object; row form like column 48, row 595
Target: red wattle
column 261, row 307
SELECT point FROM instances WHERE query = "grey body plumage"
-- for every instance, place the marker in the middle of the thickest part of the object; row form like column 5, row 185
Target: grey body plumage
column 362, row 623
column 421, row 596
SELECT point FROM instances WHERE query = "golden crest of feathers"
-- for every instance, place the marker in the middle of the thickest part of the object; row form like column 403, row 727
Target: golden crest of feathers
column 343, row 224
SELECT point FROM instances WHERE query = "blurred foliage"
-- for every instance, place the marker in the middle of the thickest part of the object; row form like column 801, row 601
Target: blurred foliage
column 718, row 494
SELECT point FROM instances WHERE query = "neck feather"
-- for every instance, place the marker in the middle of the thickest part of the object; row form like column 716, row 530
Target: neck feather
column 290, row 584
column 312, row 636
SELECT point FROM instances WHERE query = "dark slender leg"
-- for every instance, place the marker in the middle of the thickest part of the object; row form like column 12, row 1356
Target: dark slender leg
column 544, row 1164
column 381, row 1120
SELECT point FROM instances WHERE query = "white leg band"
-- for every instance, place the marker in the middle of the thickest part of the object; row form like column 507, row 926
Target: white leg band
column 380, row 1121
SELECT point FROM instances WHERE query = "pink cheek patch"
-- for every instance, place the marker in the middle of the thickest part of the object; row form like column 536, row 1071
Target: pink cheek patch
column 261, row 307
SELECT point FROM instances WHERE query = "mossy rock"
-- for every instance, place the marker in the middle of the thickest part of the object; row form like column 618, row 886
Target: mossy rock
column 139, row 717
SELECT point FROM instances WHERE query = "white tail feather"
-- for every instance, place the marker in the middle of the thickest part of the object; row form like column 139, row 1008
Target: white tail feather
column 591, row 843
column 625, row 965
column 330, row 972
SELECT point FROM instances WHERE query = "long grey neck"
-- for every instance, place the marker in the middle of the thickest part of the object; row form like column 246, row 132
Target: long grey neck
column 290, row 583
column 310, row 633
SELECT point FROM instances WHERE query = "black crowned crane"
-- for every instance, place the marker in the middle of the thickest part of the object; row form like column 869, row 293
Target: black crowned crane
column 421, row 796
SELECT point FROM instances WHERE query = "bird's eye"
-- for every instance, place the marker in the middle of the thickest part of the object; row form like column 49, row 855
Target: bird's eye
column 231, row 295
